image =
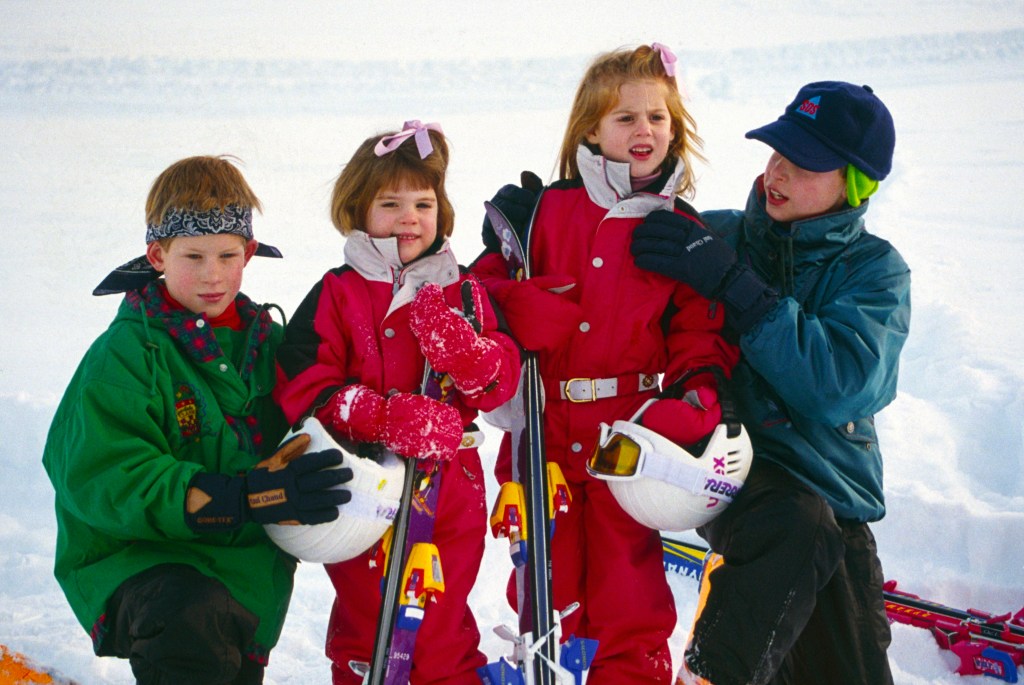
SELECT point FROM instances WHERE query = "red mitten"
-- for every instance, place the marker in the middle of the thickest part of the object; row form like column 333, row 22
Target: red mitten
column 409, row 425
column 449, row 342
column 356, row 412
column 686, row 421
column 420, row 427
column 540, row 315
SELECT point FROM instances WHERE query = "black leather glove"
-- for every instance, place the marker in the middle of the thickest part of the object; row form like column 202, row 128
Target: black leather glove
column 679, row 247
column 517, row 204
column 287, row 488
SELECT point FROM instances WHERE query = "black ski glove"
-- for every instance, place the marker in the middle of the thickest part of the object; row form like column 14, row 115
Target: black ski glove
column 678, row 247
column 288, row 488
column 517, row 204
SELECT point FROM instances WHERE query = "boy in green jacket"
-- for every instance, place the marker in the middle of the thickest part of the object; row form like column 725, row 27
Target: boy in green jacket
column 155, row 449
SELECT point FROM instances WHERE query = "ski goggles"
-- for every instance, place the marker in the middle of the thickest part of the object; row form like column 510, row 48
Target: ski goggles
column 628, row 451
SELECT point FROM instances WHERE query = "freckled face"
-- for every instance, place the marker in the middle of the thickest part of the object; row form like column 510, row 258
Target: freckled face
column 203, row 273
column 405, row 213
column 794, row 193
column 637, row 130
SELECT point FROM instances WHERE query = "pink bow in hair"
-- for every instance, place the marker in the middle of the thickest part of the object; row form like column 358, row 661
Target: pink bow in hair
column 409, row 129
column 668, row 58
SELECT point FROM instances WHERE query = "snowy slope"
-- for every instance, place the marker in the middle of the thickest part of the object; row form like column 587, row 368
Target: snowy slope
column 96, row 98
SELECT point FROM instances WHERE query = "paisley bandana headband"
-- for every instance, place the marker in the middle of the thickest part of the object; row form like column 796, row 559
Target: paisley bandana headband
column 179, row 223
column 182, row 223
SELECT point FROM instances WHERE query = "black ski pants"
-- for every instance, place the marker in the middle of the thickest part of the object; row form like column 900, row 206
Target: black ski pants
column 796, row 598
column 176, row 625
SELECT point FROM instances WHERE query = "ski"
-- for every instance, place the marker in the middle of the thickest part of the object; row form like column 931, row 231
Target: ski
column 412, row 572
column 414, row 576
column 986, row 644
column 523, row 513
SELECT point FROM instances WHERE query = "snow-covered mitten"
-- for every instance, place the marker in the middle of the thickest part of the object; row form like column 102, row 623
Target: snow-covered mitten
column 450, row 343
column 421, row 427
column 539, row 310
column 687, row 421
column 410, row 425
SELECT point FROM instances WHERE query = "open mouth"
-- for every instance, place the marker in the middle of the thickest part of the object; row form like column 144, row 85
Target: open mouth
column 641, row 151
column 774, row 197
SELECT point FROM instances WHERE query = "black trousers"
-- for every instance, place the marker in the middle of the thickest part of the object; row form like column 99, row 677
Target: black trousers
column 797, row 596
column 176, row 625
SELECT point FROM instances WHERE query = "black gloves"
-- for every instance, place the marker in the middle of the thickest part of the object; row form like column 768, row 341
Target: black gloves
column 678, row 247
column 517, row 204
column 288, row 488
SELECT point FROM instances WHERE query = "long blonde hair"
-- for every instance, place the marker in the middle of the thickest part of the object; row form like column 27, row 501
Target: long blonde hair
column 366, row 174
column 598, row 93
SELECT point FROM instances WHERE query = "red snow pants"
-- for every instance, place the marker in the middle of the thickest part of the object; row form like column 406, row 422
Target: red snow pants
column 612, row 566
column 447, row 644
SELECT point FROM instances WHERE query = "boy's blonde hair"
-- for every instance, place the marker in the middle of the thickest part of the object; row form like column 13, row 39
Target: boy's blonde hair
column 199, row 184
column 598, row 93
column 366, row 174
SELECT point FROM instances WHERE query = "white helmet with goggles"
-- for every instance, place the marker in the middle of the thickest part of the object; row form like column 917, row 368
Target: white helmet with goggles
column 376, row 488
column 665, row 486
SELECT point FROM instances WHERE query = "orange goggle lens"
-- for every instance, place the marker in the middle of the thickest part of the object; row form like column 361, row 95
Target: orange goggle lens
column 617, row 456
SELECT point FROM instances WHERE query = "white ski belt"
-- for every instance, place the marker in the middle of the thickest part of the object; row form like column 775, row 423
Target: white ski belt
column 593, row 389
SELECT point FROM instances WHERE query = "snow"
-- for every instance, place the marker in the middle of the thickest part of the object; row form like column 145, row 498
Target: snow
column 96, row 98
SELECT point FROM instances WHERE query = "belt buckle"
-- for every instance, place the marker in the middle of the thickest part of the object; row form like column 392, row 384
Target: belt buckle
column 593, row 390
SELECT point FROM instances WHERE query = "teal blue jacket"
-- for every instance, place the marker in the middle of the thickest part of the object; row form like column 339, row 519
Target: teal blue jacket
column 818, row 367
column 159, row 397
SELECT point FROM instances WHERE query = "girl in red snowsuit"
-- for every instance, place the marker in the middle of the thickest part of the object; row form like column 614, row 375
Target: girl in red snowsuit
column 354, row 355
column 604, row 341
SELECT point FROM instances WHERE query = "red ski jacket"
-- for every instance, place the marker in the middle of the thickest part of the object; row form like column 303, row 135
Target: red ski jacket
column 353, row 327
column 633, row 322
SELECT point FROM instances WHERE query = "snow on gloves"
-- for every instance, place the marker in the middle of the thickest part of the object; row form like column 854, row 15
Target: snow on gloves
column 450, row 343
column 410, row 425
column 687, row 421
column 679, row 247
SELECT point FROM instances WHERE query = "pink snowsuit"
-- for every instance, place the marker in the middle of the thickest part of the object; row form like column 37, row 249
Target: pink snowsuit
column 353, row 327
column 634, row 326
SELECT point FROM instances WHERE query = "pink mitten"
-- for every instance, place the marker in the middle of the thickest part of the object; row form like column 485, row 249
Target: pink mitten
column 409, row 425
column 449, row 342
column 686, row 421
column 420, row 427
column 356, row 412
column 539, row 310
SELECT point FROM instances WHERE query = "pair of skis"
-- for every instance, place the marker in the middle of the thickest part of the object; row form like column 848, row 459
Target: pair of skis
column 411, row 562
column 539, row 656
column 523, row 513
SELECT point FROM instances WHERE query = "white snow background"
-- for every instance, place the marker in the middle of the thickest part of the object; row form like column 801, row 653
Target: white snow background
column 96, row 98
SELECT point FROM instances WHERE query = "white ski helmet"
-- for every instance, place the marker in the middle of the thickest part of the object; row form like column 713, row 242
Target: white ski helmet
column 662, row 485
column 376, row 489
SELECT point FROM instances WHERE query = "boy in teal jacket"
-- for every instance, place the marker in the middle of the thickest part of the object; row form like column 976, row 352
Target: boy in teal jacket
column 821, row 309
column 152, row 450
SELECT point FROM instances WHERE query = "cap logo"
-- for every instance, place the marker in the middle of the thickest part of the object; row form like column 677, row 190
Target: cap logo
column 809, row 107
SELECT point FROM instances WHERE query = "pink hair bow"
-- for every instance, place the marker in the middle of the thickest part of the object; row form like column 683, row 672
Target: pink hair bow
column 409, row 129
column 668, row 58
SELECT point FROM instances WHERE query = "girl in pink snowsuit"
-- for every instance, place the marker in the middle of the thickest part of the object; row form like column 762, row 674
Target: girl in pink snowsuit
column 605, row 331
column 354, row 356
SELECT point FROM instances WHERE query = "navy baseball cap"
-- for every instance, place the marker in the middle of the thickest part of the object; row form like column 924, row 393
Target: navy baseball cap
column 831, row 124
